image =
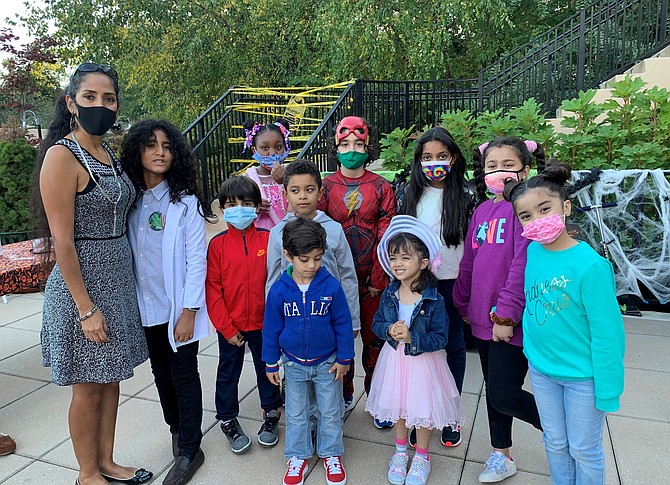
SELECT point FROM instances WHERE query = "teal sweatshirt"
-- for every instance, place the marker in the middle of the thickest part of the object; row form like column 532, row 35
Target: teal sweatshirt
column 572, row 325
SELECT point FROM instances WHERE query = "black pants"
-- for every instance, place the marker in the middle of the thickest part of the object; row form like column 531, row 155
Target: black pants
column 178, row 383
column 455, row 348
column 504, row 367
column 231, row 359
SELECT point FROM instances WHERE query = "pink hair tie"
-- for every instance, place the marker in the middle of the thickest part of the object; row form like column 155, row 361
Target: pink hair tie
column 531, row 145
column 483, row 147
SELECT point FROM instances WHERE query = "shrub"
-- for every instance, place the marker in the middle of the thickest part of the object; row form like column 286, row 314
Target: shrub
column 17, row 160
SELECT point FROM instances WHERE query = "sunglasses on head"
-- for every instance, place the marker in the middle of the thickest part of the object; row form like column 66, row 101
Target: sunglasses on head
column 94, row 67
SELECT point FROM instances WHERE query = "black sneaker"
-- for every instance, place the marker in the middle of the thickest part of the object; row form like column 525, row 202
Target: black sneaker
column 239, row 442
column 267, row 435
column 412, row 438
column 451, row 437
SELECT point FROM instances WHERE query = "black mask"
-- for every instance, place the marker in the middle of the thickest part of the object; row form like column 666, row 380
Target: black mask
column 96, row 120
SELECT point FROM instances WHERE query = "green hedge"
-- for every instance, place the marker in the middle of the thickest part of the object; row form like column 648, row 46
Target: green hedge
column 17, row 159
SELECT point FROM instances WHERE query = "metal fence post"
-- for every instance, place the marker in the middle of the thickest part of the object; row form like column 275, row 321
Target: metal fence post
column 480, row 92
column 202, row 156
column 405, row 105
column 664, row 21
column 581, row 56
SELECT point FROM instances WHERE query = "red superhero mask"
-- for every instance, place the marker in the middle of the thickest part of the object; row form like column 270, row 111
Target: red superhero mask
column 349, row 125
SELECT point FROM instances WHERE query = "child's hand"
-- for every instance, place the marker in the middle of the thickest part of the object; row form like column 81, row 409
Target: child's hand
column 373, row 291
column 264, row 207
column 183, row 330
column 278, row 172
column 339, row 369
column 399, row 331
column 502, row 333
column 237, row 340
column 274, row 377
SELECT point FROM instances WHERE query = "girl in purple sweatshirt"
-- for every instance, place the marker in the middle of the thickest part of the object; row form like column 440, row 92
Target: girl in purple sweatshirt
column 489, row 295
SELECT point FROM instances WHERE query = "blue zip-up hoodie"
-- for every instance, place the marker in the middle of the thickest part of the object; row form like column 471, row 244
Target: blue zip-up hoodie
column 429, row 328
column 307, row 327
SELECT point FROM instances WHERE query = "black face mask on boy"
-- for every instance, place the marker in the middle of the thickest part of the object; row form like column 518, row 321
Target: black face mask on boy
column 96, row 120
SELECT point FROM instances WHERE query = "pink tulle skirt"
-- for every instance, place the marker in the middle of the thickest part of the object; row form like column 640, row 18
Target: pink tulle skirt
column 417, row 388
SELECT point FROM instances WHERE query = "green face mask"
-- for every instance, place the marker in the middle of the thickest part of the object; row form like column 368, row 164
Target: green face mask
column 353, row 159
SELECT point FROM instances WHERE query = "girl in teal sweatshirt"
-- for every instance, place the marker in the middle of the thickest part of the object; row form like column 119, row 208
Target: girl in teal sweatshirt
column 573, row 331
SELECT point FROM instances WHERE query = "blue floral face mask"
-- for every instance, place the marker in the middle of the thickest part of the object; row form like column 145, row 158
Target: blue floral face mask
column 268, row 161
column 239, row 217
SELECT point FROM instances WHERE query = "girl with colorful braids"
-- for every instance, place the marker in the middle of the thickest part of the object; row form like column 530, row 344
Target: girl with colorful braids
column 488, row 293
column 270, row 146
column 363, row 202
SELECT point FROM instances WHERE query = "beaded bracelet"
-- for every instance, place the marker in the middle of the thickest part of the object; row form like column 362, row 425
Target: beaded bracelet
column 89, row 314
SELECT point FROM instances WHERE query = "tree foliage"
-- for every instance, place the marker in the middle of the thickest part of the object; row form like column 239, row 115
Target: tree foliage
column 17, row 161
column 175, row 57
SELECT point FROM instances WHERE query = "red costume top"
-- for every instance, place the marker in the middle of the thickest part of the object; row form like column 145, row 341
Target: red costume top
column 235, row 284
column 364, row 207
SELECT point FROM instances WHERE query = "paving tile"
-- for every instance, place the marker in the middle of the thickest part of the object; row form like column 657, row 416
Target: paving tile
column 27, row 364
column 652, row 323
column 528, row 450
column 11, row 464
column 646, row 395
column 41, row 473
column 367, row 463
column 39, row 420
column 19, row 307
column 647, row 352
column 359, row 426
column 207, row 366
column 640, row 449
column 15, row 340
column 472, row 470
column 474, row 380
column 141, row 380
column 14, row 388
column 32, row 322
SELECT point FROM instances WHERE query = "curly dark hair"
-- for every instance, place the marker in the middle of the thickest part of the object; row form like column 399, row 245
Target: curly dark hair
column 302, row 166
column 372, row 147
column 249, row 124
column 515, row 143
column 182, row 178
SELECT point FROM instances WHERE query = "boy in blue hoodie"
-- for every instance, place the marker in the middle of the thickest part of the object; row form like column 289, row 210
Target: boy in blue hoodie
column 307, row 326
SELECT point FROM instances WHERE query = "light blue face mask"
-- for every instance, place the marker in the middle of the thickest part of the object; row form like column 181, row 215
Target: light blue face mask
column 268, row 161
column 239, row 217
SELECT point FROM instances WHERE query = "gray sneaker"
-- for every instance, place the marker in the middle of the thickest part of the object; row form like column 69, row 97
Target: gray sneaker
column 267, row 435
column 239, row 442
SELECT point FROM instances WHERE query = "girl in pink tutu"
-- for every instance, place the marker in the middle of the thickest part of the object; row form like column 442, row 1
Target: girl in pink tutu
column 412, row 385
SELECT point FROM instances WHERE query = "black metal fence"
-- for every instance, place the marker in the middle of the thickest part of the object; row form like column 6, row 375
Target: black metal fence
column 602, row 40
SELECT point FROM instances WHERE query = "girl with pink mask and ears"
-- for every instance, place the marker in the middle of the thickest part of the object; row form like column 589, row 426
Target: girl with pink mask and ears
column 488, row 293
column 573, row 330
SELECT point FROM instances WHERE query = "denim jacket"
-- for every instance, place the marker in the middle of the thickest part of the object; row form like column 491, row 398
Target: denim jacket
column 429, row 327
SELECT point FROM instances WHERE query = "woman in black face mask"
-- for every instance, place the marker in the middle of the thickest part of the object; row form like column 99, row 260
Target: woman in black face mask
column 92, row 337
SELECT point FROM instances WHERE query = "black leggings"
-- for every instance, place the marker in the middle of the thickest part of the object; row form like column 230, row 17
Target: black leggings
column 504, row 367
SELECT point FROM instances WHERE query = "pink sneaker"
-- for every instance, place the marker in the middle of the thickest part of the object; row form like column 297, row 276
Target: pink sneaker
column 335, row 474
column 295, row 473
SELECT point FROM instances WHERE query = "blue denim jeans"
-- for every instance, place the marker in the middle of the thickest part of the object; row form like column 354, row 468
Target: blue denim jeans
column 301, row 380
column 573, row 429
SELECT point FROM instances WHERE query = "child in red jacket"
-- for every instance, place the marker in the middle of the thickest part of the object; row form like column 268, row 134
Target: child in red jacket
column 235, row 294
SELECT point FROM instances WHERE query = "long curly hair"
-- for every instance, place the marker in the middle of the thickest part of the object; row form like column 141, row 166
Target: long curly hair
column 59, row 127
column 457, row 203
column 182, row 178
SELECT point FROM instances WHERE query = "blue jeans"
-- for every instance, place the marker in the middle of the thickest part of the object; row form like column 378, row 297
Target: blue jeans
column 301, row 380
column 573, row 429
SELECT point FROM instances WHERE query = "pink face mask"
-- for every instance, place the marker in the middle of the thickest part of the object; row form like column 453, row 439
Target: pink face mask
column 545, row 230
column 495, row 181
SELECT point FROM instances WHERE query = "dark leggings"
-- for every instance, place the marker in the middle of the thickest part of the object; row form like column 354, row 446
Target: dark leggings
column 456, row 344
column 504, row 367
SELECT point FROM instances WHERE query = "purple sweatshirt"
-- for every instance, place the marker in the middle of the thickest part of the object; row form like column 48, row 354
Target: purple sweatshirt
column 492, row 270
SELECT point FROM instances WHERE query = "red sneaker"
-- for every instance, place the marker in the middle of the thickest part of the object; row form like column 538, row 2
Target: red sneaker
column 295, row 473
column 335, row 474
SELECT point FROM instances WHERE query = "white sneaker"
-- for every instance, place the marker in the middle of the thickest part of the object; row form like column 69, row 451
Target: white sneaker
column 498, row 467
column 398, row 468
column 418, row 471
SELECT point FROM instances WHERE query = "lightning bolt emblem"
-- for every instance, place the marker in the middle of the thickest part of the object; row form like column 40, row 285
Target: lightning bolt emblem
column 352, row 200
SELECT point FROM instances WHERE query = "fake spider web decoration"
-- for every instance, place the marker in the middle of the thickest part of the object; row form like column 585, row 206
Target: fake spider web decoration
column 637, row 230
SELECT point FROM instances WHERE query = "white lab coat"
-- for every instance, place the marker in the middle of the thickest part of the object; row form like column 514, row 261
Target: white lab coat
column 184, row 260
